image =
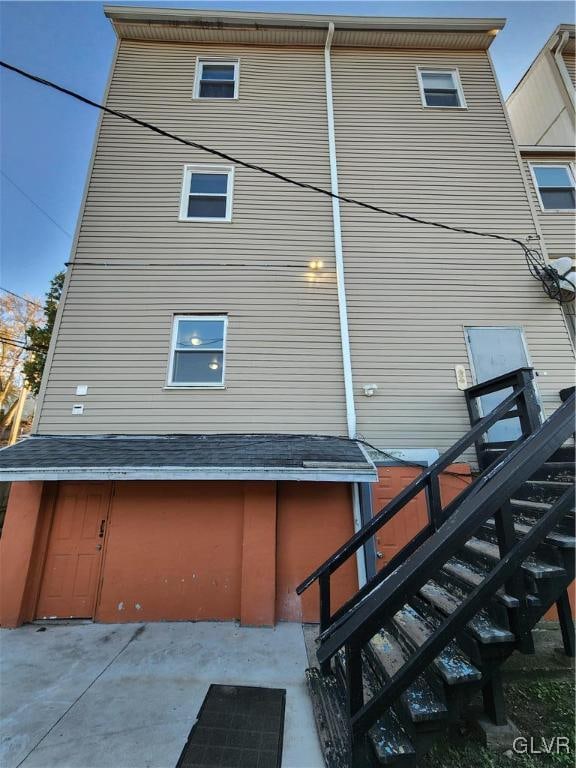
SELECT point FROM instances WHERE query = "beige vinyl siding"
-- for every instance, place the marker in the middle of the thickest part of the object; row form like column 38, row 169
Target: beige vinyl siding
column 570, row 61
column 558, row 228
column 411, row 289
column 283, row 356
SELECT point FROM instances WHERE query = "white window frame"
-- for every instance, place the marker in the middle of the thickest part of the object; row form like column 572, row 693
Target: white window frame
column 567, row 165
column 170, row 384
column 441, row 71
column 200, row 61
column 185, row 194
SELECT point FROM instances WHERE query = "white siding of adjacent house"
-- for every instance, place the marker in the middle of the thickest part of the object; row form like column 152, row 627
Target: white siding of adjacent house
column 539, row 109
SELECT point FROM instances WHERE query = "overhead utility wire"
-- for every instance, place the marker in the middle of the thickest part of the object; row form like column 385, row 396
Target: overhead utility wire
column 34, row 203
column 548, row 276
column 17, row 295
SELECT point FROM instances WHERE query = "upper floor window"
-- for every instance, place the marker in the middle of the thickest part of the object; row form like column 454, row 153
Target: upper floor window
column 555, row 187
column 197, row 353
column 207, row 193
column 441, row 88
column 216, row 79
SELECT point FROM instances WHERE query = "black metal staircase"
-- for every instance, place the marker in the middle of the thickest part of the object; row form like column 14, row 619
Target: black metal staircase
column 400, row 660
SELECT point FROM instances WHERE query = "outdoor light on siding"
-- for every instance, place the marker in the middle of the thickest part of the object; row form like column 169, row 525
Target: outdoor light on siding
column 316, row 264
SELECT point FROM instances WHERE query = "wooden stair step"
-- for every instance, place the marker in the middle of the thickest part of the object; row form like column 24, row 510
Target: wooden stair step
column 419, row 700
column 451, row 664
column 556, row 470
column 473, row 576
column 536, row 568
column 561, row 540
column 388, row 738
column 481, row 626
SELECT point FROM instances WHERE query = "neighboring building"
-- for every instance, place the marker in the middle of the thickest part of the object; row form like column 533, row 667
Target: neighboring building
column 543, row 115
column 215, row 321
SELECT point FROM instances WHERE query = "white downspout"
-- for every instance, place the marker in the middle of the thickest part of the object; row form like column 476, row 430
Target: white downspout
column 561, row 64
column 341, row 289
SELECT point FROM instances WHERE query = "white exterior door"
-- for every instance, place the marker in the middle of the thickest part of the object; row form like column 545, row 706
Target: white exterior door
column 493, row 352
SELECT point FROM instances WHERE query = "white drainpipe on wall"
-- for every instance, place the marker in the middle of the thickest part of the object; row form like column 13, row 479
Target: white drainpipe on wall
column 341, row 289
column 562, row 68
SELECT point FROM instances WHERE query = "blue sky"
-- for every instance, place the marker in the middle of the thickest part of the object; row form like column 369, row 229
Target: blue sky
column 47, row 138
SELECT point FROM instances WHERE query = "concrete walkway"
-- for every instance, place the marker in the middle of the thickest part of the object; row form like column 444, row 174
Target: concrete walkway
column 127, row 695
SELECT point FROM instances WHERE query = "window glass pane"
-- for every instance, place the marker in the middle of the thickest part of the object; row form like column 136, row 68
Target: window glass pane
column 558, row 198
column 207, row 207
column 217, row 72
column 442, row 99
column 197, row 368
column 215, row 90
column 552, row 177
column 441, row 80
column 209, row 183
column 200, row 334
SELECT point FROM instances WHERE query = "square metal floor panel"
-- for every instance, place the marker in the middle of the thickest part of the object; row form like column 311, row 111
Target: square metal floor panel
column 238, row 727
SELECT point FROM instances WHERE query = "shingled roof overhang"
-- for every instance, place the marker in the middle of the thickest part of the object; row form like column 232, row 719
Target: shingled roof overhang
column 187, row 457
column 247, row 28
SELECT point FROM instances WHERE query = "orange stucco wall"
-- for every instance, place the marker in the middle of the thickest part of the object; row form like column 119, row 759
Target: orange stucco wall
column 22, row 527
column 195, row 550
column 314, row 520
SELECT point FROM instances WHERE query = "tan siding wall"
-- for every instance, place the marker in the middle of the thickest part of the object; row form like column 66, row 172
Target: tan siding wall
column 558, row 229
column 283, row 360
column 411, row 289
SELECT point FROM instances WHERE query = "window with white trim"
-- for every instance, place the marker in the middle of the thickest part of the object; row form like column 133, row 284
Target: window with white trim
column 207, row 193
column 216, row 79
column 441, row 88
column 555, row 187
column 197, row 353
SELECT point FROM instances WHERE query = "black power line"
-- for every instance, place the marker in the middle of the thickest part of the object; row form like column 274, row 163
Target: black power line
column 34, row 203
column 538, row 268
column 17, row 295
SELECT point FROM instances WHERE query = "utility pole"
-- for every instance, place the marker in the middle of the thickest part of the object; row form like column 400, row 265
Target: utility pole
column 14, row 432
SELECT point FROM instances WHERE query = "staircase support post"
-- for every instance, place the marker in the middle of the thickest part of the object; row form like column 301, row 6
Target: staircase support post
column 493, row 699
column 517, row 617
column 566, row 623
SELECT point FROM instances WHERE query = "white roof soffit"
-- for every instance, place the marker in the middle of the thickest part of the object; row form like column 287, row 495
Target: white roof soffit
column 207, row 26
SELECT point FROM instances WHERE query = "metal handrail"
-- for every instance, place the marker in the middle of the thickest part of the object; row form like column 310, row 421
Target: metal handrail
column 415, row 487
column 508, row 475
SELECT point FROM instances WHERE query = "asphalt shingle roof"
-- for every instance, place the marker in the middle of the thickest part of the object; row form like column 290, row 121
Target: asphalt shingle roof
column 62, row 456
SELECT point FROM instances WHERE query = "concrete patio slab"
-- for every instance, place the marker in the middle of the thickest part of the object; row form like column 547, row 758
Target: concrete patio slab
column 126, row 696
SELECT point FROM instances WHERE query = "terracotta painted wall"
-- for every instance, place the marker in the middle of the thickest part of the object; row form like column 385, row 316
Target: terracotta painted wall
column 314, row 519
column 414, row 516
column 173, row 551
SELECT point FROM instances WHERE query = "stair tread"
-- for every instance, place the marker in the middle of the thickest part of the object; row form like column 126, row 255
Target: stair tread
column 451, row 663
column 542, row 506
column 419, row 698
column 536, row 568
column 387, row 736
column 550, row 483
column 472, row 576
column 560, row 539
column 483, row 628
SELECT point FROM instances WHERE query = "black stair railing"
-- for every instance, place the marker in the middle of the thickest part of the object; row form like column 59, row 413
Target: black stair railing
column 519, row 402
column 385, row 600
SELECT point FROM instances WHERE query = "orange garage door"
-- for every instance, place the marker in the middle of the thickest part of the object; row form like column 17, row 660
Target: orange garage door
column 173, row 551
